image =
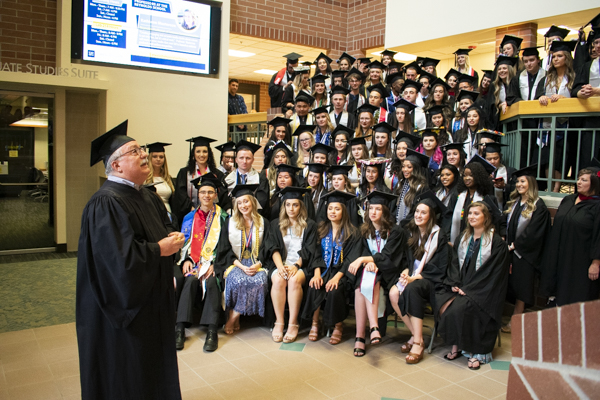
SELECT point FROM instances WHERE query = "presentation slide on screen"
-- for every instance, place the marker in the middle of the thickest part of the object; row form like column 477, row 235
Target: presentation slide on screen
column 166, row 34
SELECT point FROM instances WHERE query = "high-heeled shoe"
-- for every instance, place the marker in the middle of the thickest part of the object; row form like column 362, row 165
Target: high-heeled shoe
column 415, row 357
column 336, row 336
column 313, row 335
column 277, row 338
column 291, row 338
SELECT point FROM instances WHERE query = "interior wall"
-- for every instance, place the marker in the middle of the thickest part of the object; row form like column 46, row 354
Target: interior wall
column 41, row 148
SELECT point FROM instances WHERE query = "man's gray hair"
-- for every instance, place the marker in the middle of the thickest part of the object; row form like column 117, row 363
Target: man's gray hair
column 108, row 170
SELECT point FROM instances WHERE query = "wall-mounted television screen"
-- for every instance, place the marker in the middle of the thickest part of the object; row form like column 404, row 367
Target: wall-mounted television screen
column 177, row 35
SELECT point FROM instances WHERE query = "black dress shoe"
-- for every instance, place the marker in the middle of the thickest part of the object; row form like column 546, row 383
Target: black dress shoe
column 212, row 341
column 179, row 339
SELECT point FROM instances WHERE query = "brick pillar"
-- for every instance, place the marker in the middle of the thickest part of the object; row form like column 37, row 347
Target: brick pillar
column 526, row 31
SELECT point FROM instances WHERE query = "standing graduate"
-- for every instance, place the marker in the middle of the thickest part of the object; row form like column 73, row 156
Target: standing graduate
column 414, row 181
column 474, row 289
column 287, row 176
column 572, row 259
column 502, row 176
column 331, row 282
column 202, row 230
column 382, row 259
column 282, row 79
column 293, row 253
column 124, row 291
column 463, row 65
column 527, row 232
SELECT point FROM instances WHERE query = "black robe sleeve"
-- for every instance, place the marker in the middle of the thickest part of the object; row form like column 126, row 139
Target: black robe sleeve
column 392, row 259
column 275, row 92
column 352, row 250
column 435, row 270
column 514, row 93
column 287, row 95
column 530, row 245
column 225, row 255
column 582, row 77
column 541, row 89
column 182, row 202
column 262, row 195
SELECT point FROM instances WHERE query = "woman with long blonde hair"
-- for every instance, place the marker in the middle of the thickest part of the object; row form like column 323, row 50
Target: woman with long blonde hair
column 505, row 71
column 306, row 140
column 292, row 245
column 474, row 289
column 528, row 226
column 240, row 255
column 159, row 173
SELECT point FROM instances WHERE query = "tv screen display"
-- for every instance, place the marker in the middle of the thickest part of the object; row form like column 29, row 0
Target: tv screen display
column 176, row 35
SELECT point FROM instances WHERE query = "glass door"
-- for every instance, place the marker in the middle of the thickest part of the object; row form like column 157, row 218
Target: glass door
column 26, row 201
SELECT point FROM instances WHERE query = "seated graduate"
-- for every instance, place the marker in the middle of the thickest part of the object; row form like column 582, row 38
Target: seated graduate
column 340, row 244
column 427, row 260
column 323, row 126
column 383, row 247
column 305, row 141
column 527, row 232
column 372, row 173
column 280, row 155
column 502, row 176
column 292, row 247
column 280, row 133
column 202, row 230
column 245, row 174
column 339, row 181
column 454, row 154
column 200, row 162
column 393, row 171
column 358, row 151
column 474, row 289
column 339, row 139
column 240, row 256
column 287, row 175
column 448, row 183
column 414, row 181
column 476, row 185
column 315, row 179
column 430, row 146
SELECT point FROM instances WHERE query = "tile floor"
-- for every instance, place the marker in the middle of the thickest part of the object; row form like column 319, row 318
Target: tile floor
column 42, row 364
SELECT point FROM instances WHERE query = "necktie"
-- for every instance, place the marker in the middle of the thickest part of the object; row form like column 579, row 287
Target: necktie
column 244, row 176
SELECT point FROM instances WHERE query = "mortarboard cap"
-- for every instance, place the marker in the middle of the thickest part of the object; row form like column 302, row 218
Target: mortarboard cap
column 466, row 78
column 208, row 179
column 595, row 22
column 246, row 145
column 383, row 198
column 414, row 65
column 356, row 73
column 338, row 74
column 360, row 140
column 376, row 64
column 477, row 159
column 409, row 139
column 280, row 145
column 321, row 148
column 430, row 199
column 387, row 52
column 157, row 147
column 305, row 98
column 292, row 193
column 430, row 77
column 410, row 83
column 302, row 69
column 395, row 64
column 418, row 158
column 200, row 141
column 242, row 190
column 486, row 133
column 435, row 110
column 454, row 146
column 320, row 110
column 342, row 130
column 279, row 121
column 383, row 127
column 437, row 82
column 366, row 108
column 467, row 94
column 435, row 132
column 530, row 170
column 531, row 51
column 347, row 57
column 557, row 31
column 451, row 72
column 516, row 41
column 303, row 128
column 318, row 79
column 390, row 79
column 461, row 52
column 323, row 56
column 104, row 146
column 494, row 147
column 559, row 45
column 292, row 58
column 338, row 196
column 364, row 60
column 505, row 60
column 316, row 167
column 403, row 103
column 429, row 62
column 339, row 90
column 291, row 169
column 488, row 73
column 229, row 146
column 340, row 169
column 379, row 88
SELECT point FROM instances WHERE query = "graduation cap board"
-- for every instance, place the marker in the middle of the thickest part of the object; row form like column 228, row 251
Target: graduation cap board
column 340, row 169
column 355, row 73
column 530, row 170
column 531, row 51
column 342, row 130
column 366, row 108
column 281, row 146
column 321, row 148
column 242, row 190
column 347, row 57
column 387, row 52
column 316, row 167
column 430, row 199
column 467, row 94
column 556, row 31
column 339, row 90
column 454, row 146
column 437, row 82
column 292, row 193
column 305, row 97
column 384, row 127
column 200, row 141
column 208, row 179
column 324, row 57
column 292, row 58
column 246, row 145
column 410, row 83
column 318, row 79
column 559, row 45
column 229, row 146
column 462, row 52
column 377, row 65
column 418, row 158
column 452, row 72
column 491, row 148
column 361, row 140
column 338, row 74
column 157, row 147
column 390, row 79
column 429, row 62
column 412, row 140
column 290, row 169
column 321, row 110
column 104, row 146
column 382, row 198
column 337, row 196
column 279, row 121
column 514, row 40
column 477, row 159
column 303, row 128
column 379, row 88
column 405, row 104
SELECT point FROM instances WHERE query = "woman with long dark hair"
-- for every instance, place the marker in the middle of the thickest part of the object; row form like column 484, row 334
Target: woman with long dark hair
column 454, row 154
column 465, row 100
column 287, row 176
column 403, row 115
column 338, row 176
column 427, row 261
column 474, row 290
column 447, row 187
column 383, row 247
column 315, row 181
column 340, row 244
column 319, row 91
column 475, row 121
column 279, row 154
column 382, row 140
column 358, row 151
column 393, row 172
column 201, row 161
column 340, row 137
column 414, row 181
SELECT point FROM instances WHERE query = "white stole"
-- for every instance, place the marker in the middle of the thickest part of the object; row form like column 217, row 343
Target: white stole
column 430, row 248
column 563, row 90
column 296, row 121
column 595, row 73
column 252, row 177
column 521, row 224
column 524, row 84
column 502, row 93
column 485, row 251
column 420, row 119
column 457, row 215
column 343, row 119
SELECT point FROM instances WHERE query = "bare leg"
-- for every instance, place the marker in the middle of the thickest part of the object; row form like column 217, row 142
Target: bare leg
column 294, row 301
column 278, row 298
column 519, row 307
column 446, row 305
column 372, row 309
column 361, row 313
column 232, row 322
column 417, row 331
column 394, row 296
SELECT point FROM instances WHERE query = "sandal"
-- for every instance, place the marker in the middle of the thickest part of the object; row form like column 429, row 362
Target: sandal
column 358, row 352
column 291, row 338
column 277, row 338
column 406, row 347
column 506, row 328
column 471, row 363
column 313, row 335
column 415, row 357
column 375, row 340
column 452, row 353
column 336, row 336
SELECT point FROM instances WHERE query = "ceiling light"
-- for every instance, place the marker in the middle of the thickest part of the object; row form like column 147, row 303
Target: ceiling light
column 238, row 53
column 33, row 121
column 265, row 71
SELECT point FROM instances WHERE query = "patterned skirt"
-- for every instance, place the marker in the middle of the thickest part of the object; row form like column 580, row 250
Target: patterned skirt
column 246, row 294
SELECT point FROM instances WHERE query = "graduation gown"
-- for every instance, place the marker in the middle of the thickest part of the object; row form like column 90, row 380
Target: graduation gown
column 419, row 292
column 351, row 206
column 276, row 207
column 276, row 90
column 125, row 298
column 529, row 237
column 472, row 321
column 262, row 193
column 497, row 217
column 391, row 261
column 574, row 243
column 182, row 202
column 336, row 305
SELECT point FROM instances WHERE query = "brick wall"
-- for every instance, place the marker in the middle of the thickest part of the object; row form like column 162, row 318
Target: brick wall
column 345, row 25
column 526, row 31
column 556, row 353
column 28, row 32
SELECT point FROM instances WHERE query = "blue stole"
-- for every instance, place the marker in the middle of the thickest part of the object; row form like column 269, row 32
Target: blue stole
column 323, row 138
column 331, row 250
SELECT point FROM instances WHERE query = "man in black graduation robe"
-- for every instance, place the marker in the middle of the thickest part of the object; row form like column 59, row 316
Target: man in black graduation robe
column 125, row 296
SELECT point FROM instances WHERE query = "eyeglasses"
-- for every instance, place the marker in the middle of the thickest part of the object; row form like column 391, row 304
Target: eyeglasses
column 305, row 140
column 206, row 193
column 136, row 151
